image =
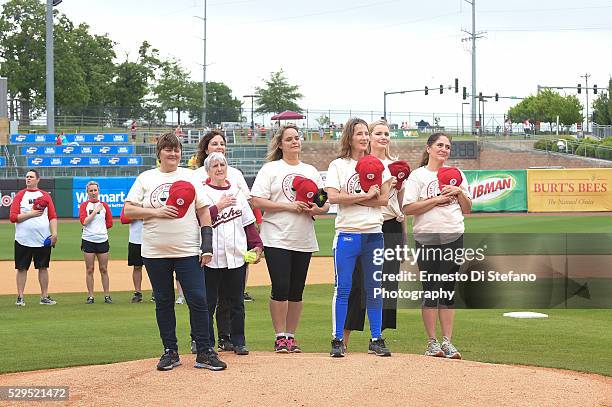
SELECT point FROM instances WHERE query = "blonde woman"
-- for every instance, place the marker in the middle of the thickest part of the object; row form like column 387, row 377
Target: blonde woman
column 96, row 218
column 287, row 232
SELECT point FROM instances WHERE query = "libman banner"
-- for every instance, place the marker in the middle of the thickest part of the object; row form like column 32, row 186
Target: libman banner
column 498, row 190
column 570, row 190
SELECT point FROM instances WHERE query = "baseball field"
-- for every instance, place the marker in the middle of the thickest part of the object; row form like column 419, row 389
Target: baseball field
column 121, row 335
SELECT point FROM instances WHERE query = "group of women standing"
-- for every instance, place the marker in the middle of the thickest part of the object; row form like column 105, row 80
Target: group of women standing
column 217, row 228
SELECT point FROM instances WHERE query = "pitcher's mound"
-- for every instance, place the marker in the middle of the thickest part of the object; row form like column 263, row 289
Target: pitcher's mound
column 267, row 379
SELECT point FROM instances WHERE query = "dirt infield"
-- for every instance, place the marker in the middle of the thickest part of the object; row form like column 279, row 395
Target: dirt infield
column 267, row 379
column 69, row 276
column 305, row 380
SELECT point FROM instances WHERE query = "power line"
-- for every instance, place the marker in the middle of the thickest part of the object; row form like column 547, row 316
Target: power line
column 549, row 29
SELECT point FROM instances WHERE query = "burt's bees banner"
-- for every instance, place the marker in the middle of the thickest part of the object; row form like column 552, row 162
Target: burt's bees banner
column 498, row 190
column 569, row 190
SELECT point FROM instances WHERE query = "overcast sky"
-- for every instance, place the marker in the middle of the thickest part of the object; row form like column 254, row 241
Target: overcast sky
column 344, row 54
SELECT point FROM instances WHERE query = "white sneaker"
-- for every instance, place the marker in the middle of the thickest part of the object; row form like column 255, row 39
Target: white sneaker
column 20, row 302
column 450, row 352
column 180, row 300
column 434, row 349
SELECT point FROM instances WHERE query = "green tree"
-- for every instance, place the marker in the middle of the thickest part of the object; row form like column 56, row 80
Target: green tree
column 602, row 107
column 277, row 95
column 172, row 90
column 22, row 53
column 133, row 83
column 545, row 107
column 221, row 106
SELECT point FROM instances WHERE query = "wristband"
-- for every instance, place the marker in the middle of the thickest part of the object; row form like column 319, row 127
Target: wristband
column 206, row 234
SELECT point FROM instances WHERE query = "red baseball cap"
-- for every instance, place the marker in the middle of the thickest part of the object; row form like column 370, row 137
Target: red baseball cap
column 40, row 203
column 449, row 176
column 305, row 189
column 370, row 170
column 400, row 170
column 181, row 195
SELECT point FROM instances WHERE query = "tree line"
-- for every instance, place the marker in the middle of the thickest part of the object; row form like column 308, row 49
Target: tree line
column 91, row 80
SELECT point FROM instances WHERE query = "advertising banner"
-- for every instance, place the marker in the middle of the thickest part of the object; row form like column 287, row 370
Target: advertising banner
column 569, row 190
column 112, row 191
column 83, row 161
column 2, row 162
column 77, row 150
column 498, row 190
column 71, row 138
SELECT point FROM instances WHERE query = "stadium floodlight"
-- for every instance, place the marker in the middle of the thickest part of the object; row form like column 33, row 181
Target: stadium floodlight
column 464, row 93
column 456, row 85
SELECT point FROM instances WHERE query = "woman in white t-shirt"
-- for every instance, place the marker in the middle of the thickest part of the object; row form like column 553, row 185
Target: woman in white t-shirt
column 358, row 234
column 287, row 231
column 177, row 239
column 394, row 233
column 437, row 227
column 234, row 232
column 214, row 142
column 96, row 218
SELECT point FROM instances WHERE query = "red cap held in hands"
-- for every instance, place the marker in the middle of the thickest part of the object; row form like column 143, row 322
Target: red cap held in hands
column 449, row 176
column 370, row 170
column 181, row 195
column 400, row 170
column 40, row 203
column 305, row 189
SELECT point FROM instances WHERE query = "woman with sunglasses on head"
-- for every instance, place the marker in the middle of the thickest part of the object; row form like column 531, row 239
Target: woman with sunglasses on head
column 437, row 227
column 358, row 232
column 287, row 231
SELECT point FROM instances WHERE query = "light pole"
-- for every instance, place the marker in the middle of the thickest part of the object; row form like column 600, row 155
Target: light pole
column 252, row 98
column 204, row 70
column 49, row 66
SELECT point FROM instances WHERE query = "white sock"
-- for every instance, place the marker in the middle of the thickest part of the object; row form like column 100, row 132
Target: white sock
column 290, row 335
column 279, row 334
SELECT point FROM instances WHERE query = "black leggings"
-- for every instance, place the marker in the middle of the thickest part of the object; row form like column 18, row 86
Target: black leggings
column 287, row 269
column 439, row 266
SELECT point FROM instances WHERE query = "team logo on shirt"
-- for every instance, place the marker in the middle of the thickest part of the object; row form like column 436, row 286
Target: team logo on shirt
column 159, row 196
column 433, row 189
column 353, row 186
column 226, row 216
column 286, row 186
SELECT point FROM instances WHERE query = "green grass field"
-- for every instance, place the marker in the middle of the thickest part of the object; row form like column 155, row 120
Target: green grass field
column 72, row 333
column 69, row 232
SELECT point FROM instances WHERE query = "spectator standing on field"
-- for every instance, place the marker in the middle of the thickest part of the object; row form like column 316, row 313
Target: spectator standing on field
column 33, row 214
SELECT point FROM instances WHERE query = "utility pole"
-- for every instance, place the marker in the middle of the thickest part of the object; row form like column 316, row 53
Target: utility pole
column 586, row 77
column 473, row 37
column 204, row 75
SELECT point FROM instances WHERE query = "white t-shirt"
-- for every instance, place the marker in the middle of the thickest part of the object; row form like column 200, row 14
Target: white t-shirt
column 229, row 237
column 447, row 219
column 284, row 229
column 31, row 232
column 96, row 230
column 234, row 176
column 393, row 209
column 136, row 231
column 355, row 218
column 168, row 238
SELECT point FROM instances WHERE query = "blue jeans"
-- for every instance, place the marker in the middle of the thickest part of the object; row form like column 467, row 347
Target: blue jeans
column 191, row 276
column 348, row 248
